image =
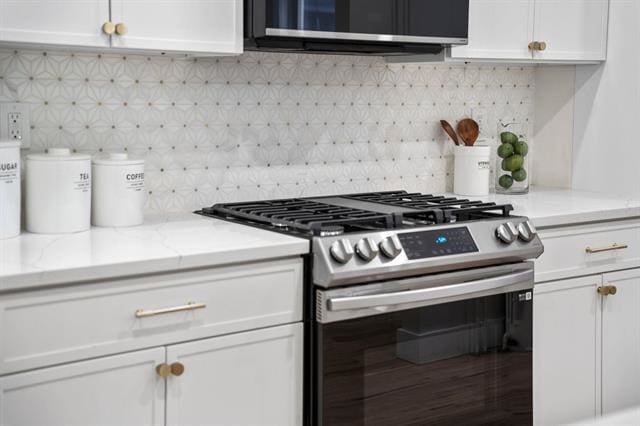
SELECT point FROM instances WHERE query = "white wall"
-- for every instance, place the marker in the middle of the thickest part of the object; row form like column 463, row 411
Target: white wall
column 606, row 136
column 553, row 126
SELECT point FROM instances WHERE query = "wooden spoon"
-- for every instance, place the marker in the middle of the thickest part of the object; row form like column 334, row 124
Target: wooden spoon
column 449, row 129
column 469, row 131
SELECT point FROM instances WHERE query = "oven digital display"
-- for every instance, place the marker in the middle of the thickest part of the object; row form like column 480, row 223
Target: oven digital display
column 442, row 242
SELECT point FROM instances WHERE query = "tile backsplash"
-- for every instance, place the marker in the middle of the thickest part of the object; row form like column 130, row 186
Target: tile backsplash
column 262, row 125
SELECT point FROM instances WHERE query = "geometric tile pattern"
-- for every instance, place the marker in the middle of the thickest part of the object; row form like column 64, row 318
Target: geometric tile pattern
column 262, row 125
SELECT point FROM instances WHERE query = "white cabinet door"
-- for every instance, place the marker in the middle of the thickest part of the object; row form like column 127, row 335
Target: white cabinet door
column 566, row 360
column 62, row 22
column 574, row 30
column 621, row 342
column 251, row 378
column 118, row 390
column 498, row 29
column 206, row 26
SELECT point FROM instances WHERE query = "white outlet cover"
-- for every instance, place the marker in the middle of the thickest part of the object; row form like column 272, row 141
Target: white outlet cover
column 23, row 110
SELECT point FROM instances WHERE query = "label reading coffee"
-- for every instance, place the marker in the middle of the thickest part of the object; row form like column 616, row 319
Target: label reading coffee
column 134, row 181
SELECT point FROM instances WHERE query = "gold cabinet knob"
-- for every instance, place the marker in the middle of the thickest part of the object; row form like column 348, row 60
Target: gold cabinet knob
column 177, row 369
column 121, row 29
column 533, row 45
column 163, row 370
column 542, row 46
column 607, row 290
column 108, row 28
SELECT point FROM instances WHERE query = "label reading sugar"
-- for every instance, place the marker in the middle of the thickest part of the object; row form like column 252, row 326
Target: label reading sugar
column 8, row 172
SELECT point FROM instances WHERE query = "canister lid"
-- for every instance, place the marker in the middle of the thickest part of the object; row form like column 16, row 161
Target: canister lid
column 9, row 144
column 116, row 159
column 58, row 154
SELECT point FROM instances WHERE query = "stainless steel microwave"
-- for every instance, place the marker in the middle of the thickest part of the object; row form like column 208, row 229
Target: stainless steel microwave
column 378, row 27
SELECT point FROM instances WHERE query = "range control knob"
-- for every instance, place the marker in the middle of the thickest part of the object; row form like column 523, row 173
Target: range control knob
column 526, row 231
column 341, row 251
column 367, row 249
column 507, row 233
column 391, row 247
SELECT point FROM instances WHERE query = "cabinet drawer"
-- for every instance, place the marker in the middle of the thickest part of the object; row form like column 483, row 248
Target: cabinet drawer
column 54, row 326
column 588, row 249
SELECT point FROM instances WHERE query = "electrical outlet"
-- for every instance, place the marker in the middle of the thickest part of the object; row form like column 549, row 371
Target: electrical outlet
column 15, row 124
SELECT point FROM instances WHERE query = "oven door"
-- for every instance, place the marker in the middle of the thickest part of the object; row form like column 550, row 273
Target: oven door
column 445, row 349
column 409, row 21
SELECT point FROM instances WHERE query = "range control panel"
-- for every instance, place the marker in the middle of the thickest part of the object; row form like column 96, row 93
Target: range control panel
column 441, row 242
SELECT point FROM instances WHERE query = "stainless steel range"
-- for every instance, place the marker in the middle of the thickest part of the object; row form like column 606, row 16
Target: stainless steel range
column 420, row 306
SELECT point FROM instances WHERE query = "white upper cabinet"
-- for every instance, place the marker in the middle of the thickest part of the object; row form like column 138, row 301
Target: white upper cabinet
column 189, row 26
column 60, row 22
column 498, row 29
column 573, row 30
column 566, row 31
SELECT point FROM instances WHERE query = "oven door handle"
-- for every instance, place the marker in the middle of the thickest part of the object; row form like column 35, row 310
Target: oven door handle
column 472, row 289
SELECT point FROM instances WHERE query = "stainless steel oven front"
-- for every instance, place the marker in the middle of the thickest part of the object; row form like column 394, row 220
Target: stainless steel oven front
column 451, row 348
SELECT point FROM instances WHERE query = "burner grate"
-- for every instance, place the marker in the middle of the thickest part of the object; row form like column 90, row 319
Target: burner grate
column 303, row 216
column 451, row 208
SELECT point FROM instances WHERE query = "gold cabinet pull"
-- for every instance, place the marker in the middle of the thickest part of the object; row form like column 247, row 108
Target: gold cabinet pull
column 108, row 28
column 607, row 290
column 177, row 369
column 538, row 45
column 121, row 29
column 191, row 306
column 612, row 247
column 163, row 370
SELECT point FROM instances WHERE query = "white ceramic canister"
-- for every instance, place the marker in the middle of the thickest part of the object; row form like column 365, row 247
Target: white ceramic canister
column 58, row 192
column 118, row 190
column 472, row 165
column 9, row 189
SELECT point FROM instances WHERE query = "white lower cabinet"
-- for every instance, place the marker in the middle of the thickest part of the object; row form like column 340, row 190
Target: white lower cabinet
column 116, row 390
column 566, row 359
column 252, row 378
column 587, row 346
column 621, row 342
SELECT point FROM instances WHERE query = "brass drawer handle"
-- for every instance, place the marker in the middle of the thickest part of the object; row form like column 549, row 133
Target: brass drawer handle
column 141, row 313
column 607, row 290
column 612, row 247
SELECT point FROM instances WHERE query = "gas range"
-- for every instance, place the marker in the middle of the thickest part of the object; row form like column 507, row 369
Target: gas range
column 418, row 308
column 374, row 236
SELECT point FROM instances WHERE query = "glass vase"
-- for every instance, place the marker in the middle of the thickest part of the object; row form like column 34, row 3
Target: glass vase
column 512, row 165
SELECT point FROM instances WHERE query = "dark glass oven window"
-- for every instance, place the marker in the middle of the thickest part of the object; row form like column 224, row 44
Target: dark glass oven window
column 465, row 363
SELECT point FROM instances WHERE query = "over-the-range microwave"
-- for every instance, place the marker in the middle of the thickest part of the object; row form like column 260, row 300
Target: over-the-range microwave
column 378, row 27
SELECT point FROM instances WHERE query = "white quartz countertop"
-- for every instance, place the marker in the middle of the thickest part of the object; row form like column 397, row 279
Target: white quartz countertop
column 191, row 241
column 549, row 207
column 161, row 244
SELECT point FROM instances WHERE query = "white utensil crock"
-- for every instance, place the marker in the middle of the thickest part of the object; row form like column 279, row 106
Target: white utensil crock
column 118, row 190
column 471, row 170
column 9, row 189
column 58, row 192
